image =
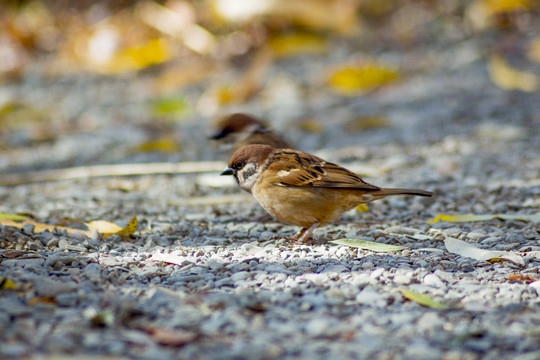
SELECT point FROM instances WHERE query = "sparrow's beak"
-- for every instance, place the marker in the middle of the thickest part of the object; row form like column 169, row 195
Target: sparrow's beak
column 227, row 171
column 218, row 135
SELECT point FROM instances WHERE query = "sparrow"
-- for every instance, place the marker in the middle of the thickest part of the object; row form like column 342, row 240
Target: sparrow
column 301, row 189
column 237, row 130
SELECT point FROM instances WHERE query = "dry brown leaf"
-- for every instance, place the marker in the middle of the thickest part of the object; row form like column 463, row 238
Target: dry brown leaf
column 41, row 300
column 520, row 277
column 172, row 337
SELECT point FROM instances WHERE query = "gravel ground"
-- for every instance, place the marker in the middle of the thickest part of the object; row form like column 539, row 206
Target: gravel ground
column 231, row 288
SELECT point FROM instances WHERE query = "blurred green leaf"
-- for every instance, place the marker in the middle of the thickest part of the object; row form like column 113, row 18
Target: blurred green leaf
column 172, row 106
column 422, row 299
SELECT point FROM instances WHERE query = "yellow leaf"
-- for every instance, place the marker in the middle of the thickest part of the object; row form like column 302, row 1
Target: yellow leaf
column 485, row 217
column 14, row 217
column 153, row 52
column 422, row 299
column 506, row 77
column 162, row 145
column 483, row 13
column 362, row 208
column 534, row 50
column 39, row 227
column 500, row 6
column 297, row 44
column 108, row 228
column 354, row 80
column 130, row 228
column 7, row 284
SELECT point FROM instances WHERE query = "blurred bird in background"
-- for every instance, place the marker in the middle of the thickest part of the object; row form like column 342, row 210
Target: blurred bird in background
column 238, row 129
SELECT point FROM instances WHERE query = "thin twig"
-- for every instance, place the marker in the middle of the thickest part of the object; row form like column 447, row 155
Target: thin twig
column 111, row 170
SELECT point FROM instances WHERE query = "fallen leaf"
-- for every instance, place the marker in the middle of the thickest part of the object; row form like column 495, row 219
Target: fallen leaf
column 172, row 337
column 367, row 122
column 362, row 208
column 154, row 51
column 165, row 144
column 368, row 245
column 485, row 13
column 465, row 249
column 39, row 227
column 108, row 228
column 41, row 300
column 508, row 78
column 14, row 217
column 297, row 44
column 485, row 217
column 519, row 277
column 534, row 50
column 422, row 299
column 7, row 284
column 172, row 106
column 359, row 79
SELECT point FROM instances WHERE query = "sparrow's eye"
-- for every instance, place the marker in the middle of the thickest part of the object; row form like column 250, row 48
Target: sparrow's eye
column 238, row 165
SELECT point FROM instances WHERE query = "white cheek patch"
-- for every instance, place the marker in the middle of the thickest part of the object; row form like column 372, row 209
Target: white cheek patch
column 248, row 176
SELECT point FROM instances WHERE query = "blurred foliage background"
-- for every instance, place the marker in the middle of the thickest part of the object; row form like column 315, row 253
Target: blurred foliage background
column 200, row 59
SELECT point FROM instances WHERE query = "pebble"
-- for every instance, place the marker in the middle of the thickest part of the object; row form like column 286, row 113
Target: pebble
column 433, row 280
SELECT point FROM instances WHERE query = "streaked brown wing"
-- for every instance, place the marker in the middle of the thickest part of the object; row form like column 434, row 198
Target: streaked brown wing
column 296, row 168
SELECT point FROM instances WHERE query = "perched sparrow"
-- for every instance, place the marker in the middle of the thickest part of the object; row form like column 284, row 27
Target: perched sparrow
column 301, row 189
column 238, row 129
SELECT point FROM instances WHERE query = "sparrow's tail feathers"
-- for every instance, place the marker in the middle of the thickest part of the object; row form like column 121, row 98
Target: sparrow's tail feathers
column 386, row 192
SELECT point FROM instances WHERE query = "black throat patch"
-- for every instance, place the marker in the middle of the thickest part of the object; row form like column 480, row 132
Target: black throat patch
column 248, row 172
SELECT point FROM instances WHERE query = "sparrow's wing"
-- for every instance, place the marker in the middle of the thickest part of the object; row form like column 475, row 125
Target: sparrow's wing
column 296, row 168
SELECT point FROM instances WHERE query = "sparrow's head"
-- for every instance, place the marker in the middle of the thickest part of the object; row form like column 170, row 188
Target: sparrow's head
column 233, row 125
column 247, row 164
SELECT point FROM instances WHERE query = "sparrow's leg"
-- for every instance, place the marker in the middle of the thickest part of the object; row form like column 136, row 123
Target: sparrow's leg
column 305, row 236
column 299, row 234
